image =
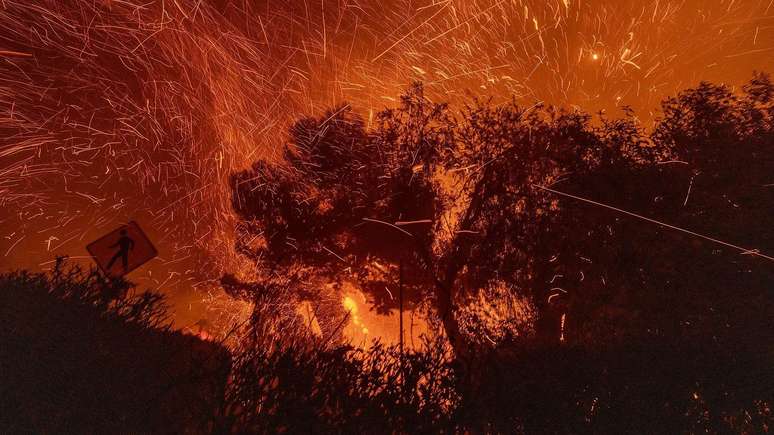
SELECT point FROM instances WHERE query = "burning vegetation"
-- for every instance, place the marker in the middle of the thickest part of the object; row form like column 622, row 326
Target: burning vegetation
column 566, row 272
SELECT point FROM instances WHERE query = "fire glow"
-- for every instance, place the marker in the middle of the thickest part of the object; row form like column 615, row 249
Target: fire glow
column 118, row 110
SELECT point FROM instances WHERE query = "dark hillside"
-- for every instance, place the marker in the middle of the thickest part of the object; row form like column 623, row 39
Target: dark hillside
column 76, row 361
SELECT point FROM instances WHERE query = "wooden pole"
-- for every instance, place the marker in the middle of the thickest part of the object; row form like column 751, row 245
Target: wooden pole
column 400, row 299
column 400, row 302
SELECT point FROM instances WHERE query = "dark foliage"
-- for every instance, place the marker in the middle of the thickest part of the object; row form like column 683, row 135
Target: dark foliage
column 306, row 388
column 639, row 327
column 83, row 354
column 74, row 364
column 651, row 385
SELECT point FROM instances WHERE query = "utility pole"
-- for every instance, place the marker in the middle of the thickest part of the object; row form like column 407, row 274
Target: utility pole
column 400, row 302
column 400, row 316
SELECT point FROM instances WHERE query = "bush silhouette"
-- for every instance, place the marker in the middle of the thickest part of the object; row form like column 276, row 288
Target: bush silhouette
column 83, row 354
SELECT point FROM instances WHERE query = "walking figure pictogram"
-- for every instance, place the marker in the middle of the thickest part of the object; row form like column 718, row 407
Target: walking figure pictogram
column 124, row 245
column 127, row 242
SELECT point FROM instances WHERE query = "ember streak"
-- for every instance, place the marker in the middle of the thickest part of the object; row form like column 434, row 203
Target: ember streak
column 119, row 110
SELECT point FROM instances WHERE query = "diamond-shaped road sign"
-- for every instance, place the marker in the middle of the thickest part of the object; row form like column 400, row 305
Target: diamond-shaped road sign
column 122, row 251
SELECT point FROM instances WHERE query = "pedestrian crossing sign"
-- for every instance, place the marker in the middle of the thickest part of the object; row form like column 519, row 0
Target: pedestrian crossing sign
column 121, row 251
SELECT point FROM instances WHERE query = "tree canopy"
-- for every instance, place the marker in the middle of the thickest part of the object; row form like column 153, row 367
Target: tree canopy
column 460, row 199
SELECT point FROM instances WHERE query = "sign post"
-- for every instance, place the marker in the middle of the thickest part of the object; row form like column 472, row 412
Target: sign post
column 122, row 250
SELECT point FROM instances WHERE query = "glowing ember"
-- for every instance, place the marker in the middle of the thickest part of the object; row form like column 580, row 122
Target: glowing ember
column 114, row 111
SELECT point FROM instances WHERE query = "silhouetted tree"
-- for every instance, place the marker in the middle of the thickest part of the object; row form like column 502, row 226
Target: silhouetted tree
column 636, row 323
column 460, row 198
column 450, row 197
column 714, row 154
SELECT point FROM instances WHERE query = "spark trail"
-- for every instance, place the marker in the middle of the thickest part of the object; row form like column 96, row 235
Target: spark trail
column 119, row 110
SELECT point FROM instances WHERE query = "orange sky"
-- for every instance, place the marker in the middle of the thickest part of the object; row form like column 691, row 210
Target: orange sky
column 113, row 112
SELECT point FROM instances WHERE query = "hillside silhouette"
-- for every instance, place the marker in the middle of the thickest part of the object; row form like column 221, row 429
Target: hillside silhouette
column 80, row 355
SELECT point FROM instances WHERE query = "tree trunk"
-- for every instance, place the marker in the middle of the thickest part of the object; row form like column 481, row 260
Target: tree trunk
column 445, row 309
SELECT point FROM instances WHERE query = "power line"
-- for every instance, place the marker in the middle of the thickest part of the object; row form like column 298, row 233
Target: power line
column 743, row 250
